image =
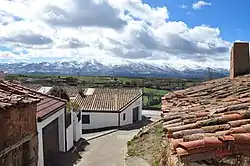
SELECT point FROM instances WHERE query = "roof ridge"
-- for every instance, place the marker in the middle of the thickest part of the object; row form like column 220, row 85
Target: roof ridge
column 19, row 91
column 128, row 103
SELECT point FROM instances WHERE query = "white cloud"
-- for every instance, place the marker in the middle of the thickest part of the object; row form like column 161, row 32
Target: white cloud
column 183, row 6
column 104, row 29
column 201, row 4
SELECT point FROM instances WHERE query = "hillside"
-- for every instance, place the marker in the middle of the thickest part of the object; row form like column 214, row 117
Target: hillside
column 96, row 68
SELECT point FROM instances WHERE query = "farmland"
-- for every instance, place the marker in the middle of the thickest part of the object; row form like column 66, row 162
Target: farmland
column 153, row 88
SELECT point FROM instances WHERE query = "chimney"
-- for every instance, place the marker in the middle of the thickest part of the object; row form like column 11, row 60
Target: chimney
column 2, row 75
column 239, row 59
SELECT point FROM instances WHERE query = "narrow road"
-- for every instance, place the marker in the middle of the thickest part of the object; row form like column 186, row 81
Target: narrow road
column 154, row 115
column 111, row 149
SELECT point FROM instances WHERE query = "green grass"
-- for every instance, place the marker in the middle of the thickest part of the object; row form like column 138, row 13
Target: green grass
column 156, row 92
column 145, row 100
column 147, row 146
column 157, row 106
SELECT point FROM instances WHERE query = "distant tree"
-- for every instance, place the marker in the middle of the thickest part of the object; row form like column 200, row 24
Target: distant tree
column 127, row 83
column 148, row 84
column 59, row 92
column 134, row 83
column 81, row 92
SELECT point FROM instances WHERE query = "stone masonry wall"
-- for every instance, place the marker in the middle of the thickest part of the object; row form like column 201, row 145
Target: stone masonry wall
column 17, row 123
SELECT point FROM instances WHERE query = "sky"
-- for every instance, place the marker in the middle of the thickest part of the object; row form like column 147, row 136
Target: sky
column 175, row 32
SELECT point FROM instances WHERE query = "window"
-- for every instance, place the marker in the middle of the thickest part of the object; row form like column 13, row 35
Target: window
column 124, row 116
column 85, row 119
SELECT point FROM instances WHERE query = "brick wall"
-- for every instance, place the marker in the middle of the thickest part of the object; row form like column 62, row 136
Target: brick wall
column 17, row 123
column 239, row 59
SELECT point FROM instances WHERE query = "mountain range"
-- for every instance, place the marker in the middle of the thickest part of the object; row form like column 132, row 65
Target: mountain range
column 128, row 69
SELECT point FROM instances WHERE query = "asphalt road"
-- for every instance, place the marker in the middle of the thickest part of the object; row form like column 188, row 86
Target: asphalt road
column 152, row 114
column 110, row 149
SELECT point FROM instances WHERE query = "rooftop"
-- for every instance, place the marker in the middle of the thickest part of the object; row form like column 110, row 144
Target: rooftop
column 72, row 91
column 15, row 94
column 32, row 86
column 209, row 121
column 107, row 99
column 9, row 99
column 44, row 89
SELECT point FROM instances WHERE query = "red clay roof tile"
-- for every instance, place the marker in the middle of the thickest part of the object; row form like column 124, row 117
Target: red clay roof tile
column 214, row 115
column 46, row 104
column 108, row 99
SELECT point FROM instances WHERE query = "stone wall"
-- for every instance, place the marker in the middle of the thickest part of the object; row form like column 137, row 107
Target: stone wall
column 25, row 154
column 16, row 123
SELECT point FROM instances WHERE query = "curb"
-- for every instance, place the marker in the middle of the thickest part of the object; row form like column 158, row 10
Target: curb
column 100, row 135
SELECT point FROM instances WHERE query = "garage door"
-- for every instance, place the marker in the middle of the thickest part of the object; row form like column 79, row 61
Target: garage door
column 50, row 142
column 135, row 114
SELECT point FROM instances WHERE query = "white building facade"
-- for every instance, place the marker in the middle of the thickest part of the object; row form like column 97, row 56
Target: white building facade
column 131, row 113
column 60, row 117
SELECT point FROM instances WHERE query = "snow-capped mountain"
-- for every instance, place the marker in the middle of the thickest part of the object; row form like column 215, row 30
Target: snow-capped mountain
column 97, row 68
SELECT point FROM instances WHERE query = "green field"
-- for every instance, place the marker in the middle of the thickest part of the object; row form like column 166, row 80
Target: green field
column 152, row 98
column 155, row 91
column 152, row 87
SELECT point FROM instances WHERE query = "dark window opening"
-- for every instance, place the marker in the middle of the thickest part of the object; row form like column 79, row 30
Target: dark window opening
column 68, row 119
column 124, row 116
column 85, row 119
column 79, row 116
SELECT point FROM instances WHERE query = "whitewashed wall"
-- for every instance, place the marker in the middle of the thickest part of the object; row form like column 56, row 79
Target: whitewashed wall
column 69, row 134
column 100, row 120
column 140, row 108
column 61, row 129
column 129, row 112
column 77, row 126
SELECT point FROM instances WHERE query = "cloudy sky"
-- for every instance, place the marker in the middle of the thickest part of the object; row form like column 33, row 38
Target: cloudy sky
column 172, row 31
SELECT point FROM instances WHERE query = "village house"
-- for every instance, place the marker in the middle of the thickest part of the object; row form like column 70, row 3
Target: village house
column 54, row 123
column 71, row 91
column 209, row 124
column 74, row 130
column 19, row 138
column 107, row 108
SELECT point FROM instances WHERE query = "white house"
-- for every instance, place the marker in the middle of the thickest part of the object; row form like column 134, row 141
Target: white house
column 106, row 107
column 73, row 117
column 77, row 125
column 54, row 124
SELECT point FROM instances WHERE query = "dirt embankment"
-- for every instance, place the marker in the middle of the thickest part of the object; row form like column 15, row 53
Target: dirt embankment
column 147, row 144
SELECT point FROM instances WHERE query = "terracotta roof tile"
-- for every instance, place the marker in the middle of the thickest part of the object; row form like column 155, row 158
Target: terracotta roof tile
column 72, row 91
column 15, row 94
column 214, row 115
column 107, row 99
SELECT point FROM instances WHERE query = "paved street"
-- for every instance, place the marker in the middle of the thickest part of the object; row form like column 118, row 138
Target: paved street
column 152, row 114
column 110, row 149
